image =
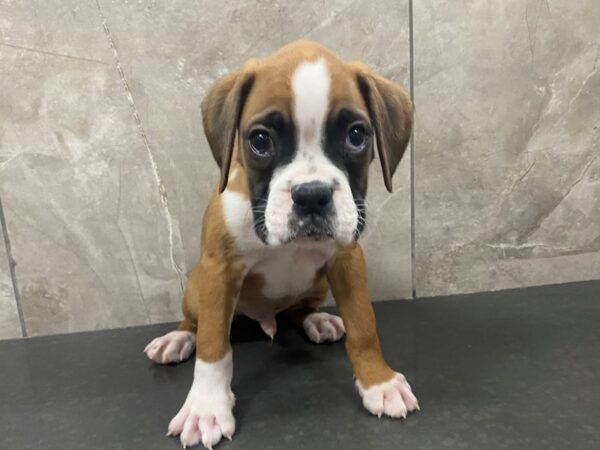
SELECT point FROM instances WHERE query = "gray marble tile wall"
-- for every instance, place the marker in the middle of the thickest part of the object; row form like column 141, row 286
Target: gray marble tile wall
column 10, row 326
column 105, row 172
column 507, row 143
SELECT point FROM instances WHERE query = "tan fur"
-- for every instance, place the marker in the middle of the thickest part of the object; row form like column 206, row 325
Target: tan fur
column 347, row 275
column 213, row 286
column 226, row 107
column 391, row 113
column 221, row 110
column 217, row 281
column 239, row 183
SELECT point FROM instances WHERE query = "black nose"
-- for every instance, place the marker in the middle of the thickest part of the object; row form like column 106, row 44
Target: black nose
column 312, row 198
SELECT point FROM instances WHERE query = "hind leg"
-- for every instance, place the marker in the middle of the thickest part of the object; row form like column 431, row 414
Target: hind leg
column 319, row 326
column 173, row 347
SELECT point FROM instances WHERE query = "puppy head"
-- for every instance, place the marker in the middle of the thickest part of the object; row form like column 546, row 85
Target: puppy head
column 306, row 126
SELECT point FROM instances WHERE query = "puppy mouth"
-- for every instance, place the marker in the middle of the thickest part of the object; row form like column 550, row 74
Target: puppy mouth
column 311, row 229
column 312, row 235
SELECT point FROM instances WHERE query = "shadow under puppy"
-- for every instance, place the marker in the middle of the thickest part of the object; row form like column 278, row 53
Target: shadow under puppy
column 294, row 135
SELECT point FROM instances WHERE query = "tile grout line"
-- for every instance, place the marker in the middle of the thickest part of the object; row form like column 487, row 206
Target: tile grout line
column 412, row 150
column 13, row 275
column 161, row 188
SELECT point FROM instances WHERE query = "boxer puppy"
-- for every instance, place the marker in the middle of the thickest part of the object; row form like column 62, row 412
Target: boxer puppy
column 294, row 135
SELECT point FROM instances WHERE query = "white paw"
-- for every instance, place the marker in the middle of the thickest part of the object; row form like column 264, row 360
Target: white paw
column 321, row 327
column 204, row 419
column 393, row 398
column 206, row 416
column 172, row 347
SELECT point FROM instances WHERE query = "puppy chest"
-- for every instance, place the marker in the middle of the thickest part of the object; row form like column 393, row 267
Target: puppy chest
column 289, row 273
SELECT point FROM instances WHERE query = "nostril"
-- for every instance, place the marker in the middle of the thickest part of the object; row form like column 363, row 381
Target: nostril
column 324, row 198
column 299, row 195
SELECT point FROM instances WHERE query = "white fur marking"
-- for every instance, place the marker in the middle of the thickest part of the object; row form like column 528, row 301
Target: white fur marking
column 237, row 211
column 323, row 327
column 393, row 398
column 310, row 85
column 173, row 347
column 206, row 415
column 289, row 270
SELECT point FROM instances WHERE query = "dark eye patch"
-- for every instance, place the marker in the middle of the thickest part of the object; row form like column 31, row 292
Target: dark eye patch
column 259, row 171
column 273, row 120
column 336, row 137
column 347, row 116
column 281, row 132
column 354, row 164
column 338, row 131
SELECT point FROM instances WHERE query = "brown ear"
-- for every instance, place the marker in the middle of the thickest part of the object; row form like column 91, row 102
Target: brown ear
column 221, row 111
column 391, row 112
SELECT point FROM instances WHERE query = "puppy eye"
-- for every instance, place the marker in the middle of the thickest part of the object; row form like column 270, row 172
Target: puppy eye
column 261, row 143
column 356, row 138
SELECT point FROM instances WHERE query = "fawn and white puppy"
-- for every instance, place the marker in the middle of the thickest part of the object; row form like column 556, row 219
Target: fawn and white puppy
column 294, row 135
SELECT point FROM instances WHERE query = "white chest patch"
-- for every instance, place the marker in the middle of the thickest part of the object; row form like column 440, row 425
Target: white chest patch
column 290, row 270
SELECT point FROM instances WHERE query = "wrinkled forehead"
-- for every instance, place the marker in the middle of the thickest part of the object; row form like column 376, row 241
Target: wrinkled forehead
column 305, row 90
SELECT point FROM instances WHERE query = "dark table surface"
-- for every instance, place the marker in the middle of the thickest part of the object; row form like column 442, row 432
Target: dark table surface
column 516, row 369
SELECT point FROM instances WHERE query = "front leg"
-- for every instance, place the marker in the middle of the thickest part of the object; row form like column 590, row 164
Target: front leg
column 209, row 300
column 383, row 390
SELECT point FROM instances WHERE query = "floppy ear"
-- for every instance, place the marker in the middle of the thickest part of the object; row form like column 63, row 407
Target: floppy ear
column 221, row 111
column 391, row 113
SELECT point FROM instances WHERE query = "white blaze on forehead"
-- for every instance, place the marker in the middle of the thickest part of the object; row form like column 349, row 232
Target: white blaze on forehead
column 311, row 84
column 310, row 87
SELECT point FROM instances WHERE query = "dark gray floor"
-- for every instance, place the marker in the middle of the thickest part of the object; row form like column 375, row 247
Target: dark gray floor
column 516, row 369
